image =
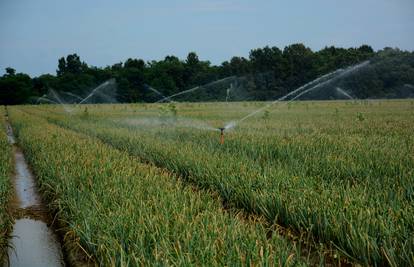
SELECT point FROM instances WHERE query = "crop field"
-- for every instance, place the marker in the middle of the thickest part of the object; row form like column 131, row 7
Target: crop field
column 300, row 183
column 126, row 213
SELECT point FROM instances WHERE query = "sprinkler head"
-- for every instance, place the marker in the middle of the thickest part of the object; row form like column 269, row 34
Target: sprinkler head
column 221, row 135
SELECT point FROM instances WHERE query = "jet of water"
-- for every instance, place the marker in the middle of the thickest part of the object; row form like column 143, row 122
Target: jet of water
column 343, row 92
column 158, row 93
column 46, row 99
column 321, row 81
column 107, row 98
column 155, row 91
column 94, row 91
column 228, row 91
column 170, row 122
column 73, row 95
column 326, row 77
column 177, row 94
column 341, row 74
column 56, row 96
column 195, row 89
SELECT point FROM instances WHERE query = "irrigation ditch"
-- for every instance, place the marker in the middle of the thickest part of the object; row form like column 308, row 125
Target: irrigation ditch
column 38, row 237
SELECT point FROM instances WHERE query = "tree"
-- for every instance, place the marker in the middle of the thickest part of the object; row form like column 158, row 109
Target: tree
column 236, row 66
column 300, row 65
column 61, row 66
column 43, row 83
column 72, row 64
column 268, row 59
column 134, row 63
column 192, row 59
column 10, row 71
column 366, row 49
column 15, row 88
column 168, row 75
column 269, row 66
column 266, row 74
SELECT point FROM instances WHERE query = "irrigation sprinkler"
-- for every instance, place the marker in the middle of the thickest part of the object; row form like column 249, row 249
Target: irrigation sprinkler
column 222, row 135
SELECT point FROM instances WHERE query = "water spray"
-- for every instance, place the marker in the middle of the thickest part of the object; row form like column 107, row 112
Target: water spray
column 168, row 98
column 222, row 135
column 317, row 83
column 109, row 82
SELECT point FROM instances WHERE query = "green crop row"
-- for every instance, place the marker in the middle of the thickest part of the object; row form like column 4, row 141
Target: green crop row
column 127, row 213
column 350, row 184
column 5, row 187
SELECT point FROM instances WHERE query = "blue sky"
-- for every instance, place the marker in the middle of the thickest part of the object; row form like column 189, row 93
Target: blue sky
column 35, row 33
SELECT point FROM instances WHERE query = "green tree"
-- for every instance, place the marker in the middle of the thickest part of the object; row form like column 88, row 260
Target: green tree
column 72, row 64
column 300, row 65
column 43, row 83
column 15, row 88
column 10, row 71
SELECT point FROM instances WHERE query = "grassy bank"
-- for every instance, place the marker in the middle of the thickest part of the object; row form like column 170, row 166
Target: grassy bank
column 6, row 166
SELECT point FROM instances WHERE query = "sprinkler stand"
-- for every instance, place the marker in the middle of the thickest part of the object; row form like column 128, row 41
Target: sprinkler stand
column 222, row 135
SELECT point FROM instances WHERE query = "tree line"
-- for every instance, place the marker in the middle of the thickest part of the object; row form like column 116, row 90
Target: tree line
column 273, row 71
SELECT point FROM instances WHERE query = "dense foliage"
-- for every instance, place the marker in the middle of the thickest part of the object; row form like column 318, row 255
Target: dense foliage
column 271, row 72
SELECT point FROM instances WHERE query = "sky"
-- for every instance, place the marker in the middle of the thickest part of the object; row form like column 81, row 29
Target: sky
column 34, row 34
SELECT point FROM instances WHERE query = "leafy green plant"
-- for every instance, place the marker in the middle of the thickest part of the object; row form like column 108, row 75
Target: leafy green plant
column 360, row 116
